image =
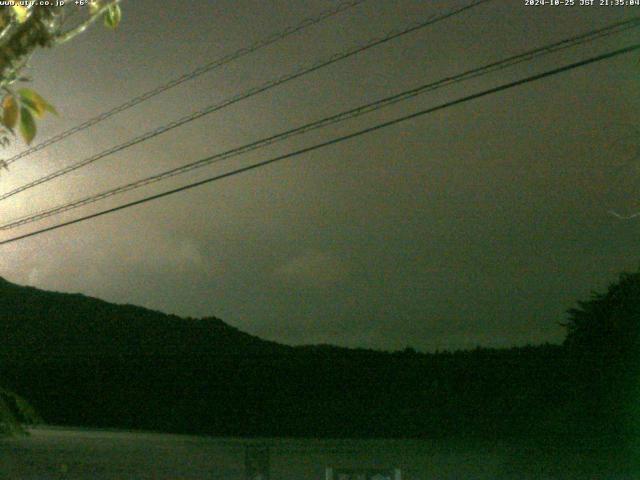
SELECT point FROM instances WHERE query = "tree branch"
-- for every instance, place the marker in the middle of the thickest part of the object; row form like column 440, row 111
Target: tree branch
column 10, row 30
column 70, row 34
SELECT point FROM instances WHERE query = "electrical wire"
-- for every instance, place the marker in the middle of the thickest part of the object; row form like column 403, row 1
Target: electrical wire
column 219, row 62
column 333, row 141
column 340, row 117
column 242, row 96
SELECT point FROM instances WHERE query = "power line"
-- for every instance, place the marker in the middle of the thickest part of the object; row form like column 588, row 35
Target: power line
column 219, row 62
column 333, row 141
column 342, row 116
column 242, row 96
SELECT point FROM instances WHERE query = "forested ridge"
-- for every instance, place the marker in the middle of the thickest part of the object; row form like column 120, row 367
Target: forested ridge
column 85, row 362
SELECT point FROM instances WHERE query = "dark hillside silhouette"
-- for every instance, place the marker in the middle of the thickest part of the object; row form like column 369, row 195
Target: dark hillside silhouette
column 83, row 361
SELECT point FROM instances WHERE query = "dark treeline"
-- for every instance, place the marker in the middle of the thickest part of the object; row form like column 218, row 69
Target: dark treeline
column 85, row 362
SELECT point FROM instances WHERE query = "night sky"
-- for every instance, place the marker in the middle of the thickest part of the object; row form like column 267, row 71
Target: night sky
column 478, row 225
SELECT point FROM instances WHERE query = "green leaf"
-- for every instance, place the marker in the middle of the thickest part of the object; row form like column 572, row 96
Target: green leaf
column 20, row 13
column 113, row 16
column 27, row 125
column 31, row 106
column 9, row 112
column 35, row 102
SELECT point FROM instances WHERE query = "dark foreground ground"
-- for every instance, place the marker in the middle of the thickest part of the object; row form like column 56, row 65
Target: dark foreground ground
column 55, row 453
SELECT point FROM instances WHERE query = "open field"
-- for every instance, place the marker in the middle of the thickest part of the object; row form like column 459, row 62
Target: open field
column 56, row 453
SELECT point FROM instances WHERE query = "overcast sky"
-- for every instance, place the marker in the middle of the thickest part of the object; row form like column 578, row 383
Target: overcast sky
column 479, row 224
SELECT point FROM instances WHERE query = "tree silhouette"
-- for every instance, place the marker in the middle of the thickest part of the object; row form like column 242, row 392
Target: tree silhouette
column 14, row 412
column 608, row 324
column 603, row 344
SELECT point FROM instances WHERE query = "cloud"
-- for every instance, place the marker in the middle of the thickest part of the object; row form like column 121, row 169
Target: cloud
column 312, row 269
column 168, row 254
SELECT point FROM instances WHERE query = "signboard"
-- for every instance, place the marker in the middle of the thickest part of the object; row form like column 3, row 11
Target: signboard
column 363, row 474
column 256, row 463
